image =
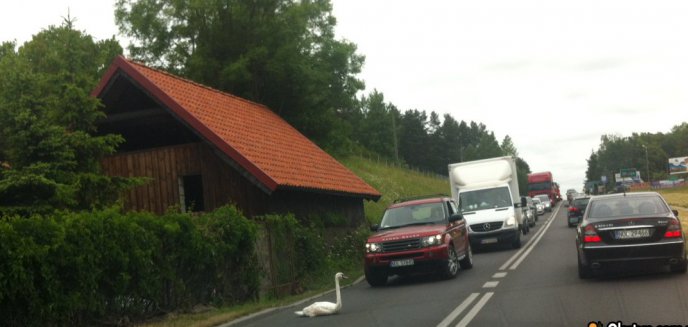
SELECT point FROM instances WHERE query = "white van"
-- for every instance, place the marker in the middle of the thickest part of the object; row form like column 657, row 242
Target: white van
column 487, row 194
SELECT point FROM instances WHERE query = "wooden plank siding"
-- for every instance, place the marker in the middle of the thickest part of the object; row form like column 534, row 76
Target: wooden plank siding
column 222, row 184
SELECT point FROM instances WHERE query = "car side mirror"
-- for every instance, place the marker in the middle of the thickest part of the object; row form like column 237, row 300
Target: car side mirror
column 374, row 228
column 455, row 217
column 675, row 212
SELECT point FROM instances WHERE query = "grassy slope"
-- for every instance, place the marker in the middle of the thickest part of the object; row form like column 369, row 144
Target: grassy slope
column 393, row 183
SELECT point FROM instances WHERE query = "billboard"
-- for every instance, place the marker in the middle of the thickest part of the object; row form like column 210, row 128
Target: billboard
column 678, row 165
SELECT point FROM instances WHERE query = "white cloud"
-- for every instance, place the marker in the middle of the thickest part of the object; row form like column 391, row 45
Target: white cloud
column 553, row 75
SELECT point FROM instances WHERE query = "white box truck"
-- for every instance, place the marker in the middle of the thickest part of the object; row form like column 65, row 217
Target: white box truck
column 487, row 194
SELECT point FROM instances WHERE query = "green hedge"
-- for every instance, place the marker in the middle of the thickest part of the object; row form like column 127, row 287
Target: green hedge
column 105, row 266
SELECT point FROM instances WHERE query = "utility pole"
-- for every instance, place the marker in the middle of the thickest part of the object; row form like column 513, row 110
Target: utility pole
column 647, row 166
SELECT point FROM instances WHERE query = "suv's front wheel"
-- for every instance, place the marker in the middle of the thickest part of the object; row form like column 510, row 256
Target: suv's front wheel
column 375, row 278
column 451, row 267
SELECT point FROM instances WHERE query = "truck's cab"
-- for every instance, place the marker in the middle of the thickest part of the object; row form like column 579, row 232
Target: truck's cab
column 487, row 194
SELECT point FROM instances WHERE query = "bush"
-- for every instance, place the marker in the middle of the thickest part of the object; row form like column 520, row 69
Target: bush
column 104, row 266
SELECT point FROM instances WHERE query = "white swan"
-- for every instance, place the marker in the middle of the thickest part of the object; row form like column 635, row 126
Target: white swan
column 324, row 308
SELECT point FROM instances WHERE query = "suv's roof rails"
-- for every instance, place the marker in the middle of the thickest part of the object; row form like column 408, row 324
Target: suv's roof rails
column 419, row 197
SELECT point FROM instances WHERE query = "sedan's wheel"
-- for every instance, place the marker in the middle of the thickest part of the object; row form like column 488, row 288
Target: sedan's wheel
column 375, row 278
column 584, row 272
column 451, row 267
column 467, row 261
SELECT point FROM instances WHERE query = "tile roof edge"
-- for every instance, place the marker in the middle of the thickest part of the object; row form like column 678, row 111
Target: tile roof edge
column 126, row 66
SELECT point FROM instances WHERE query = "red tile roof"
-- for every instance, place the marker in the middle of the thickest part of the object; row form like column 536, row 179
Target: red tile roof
column 259, row 140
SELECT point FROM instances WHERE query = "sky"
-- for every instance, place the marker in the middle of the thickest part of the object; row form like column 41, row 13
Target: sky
column 553, row 75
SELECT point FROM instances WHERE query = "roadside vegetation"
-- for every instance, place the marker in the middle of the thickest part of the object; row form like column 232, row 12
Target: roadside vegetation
column 678, row 199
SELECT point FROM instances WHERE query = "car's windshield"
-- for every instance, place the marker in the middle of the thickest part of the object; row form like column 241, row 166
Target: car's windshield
column 626, row 206
column 536, row 201
column 427, row 213
column 539, row 186
column 499, row 197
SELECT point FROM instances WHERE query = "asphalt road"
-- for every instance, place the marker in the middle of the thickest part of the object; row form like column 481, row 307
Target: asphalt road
column 536, row 285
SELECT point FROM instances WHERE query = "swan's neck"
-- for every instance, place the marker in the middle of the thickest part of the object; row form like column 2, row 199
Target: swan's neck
column 338, row 305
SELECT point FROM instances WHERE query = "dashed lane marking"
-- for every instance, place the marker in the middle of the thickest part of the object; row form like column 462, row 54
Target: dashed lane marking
column 458, row 310
column 491, row 284
column 474, row 311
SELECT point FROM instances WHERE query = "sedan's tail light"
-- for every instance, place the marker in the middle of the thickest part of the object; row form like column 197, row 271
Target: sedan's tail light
column 590, row 235
column 673, row 230
column 573, row 209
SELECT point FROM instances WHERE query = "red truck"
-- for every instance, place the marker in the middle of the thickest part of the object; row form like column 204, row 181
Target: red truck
column 542, row 183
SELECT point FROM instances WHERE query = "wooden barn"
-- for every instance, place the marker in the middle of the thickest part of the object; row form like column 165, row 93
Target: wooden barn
column 202, row 148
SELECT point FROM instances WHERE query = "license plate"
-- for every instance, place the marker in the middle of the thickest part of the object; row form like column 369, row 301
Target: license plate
column 631, row 233
column 401, row 263
column 488, row 241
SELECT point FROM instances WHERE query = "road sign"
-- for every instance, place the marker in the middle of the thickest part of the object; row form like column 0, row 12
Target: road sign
column 604, row 179
column 627, row 172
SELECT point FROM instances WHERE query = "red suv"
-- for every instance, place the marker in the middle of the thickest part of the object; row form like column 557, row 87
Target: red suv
column 419, row 235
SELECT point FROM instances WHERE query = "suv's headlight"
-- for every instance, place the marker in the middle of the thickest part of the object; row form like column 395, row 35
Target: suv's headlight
column 431, row 240
column 510, row 221
column 373, row 247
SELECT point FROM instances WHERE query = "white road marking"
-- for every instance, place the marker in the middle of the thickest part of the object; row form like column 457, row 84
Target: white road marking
column 491, row 284
column 474, row 311
column 530, row 242
column 536, row 240
column 458, row 310
column 499, row 274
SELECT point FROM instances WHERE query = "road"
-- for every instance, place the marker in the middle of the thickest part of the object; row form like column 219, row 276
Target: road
column 536, row 285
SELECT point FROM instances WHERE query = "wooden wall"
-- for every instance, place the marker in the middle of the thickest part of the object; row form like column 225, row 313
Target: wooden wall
column 222, row 184
column 163, row 166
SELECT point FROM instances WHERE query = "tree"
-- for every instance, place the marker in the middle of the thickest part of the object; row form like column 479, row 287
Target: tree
column 413, row 138
column 376, row 129
column 47, row 116
column 281, row 53
column 508, row 147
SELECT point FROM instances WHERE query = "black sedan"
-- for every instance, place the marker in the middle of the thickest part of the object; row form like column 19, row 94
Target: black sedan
column 628, row 231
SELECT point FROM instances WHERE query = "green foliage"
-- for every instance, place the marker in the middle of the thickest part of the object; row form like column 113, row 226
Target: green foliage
column 644, row 152
column 46, row 117
column 79, row 268
column 281, row 53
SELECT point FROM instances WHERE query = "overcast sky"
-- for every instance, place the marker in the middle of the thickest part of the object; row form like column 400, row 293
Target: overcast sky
column 554, row 75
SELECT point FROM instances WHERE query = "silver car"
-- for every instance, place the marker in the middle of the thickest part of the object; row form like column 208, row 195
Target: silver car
column 544, row 198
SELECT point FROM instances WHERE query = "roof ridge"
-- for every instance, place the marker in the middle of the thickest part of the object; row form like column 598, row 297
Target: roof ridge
column 186, row 80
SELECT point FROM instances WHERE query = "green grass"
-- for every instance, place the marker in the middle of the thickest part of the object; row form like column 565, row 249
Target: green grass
column 393, row 182
column 678, row 199
column 676, row 196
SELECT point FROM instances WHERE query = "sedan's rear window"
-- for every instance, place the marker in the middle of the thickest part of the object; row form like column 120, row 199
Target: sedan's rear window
column 627, row 206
